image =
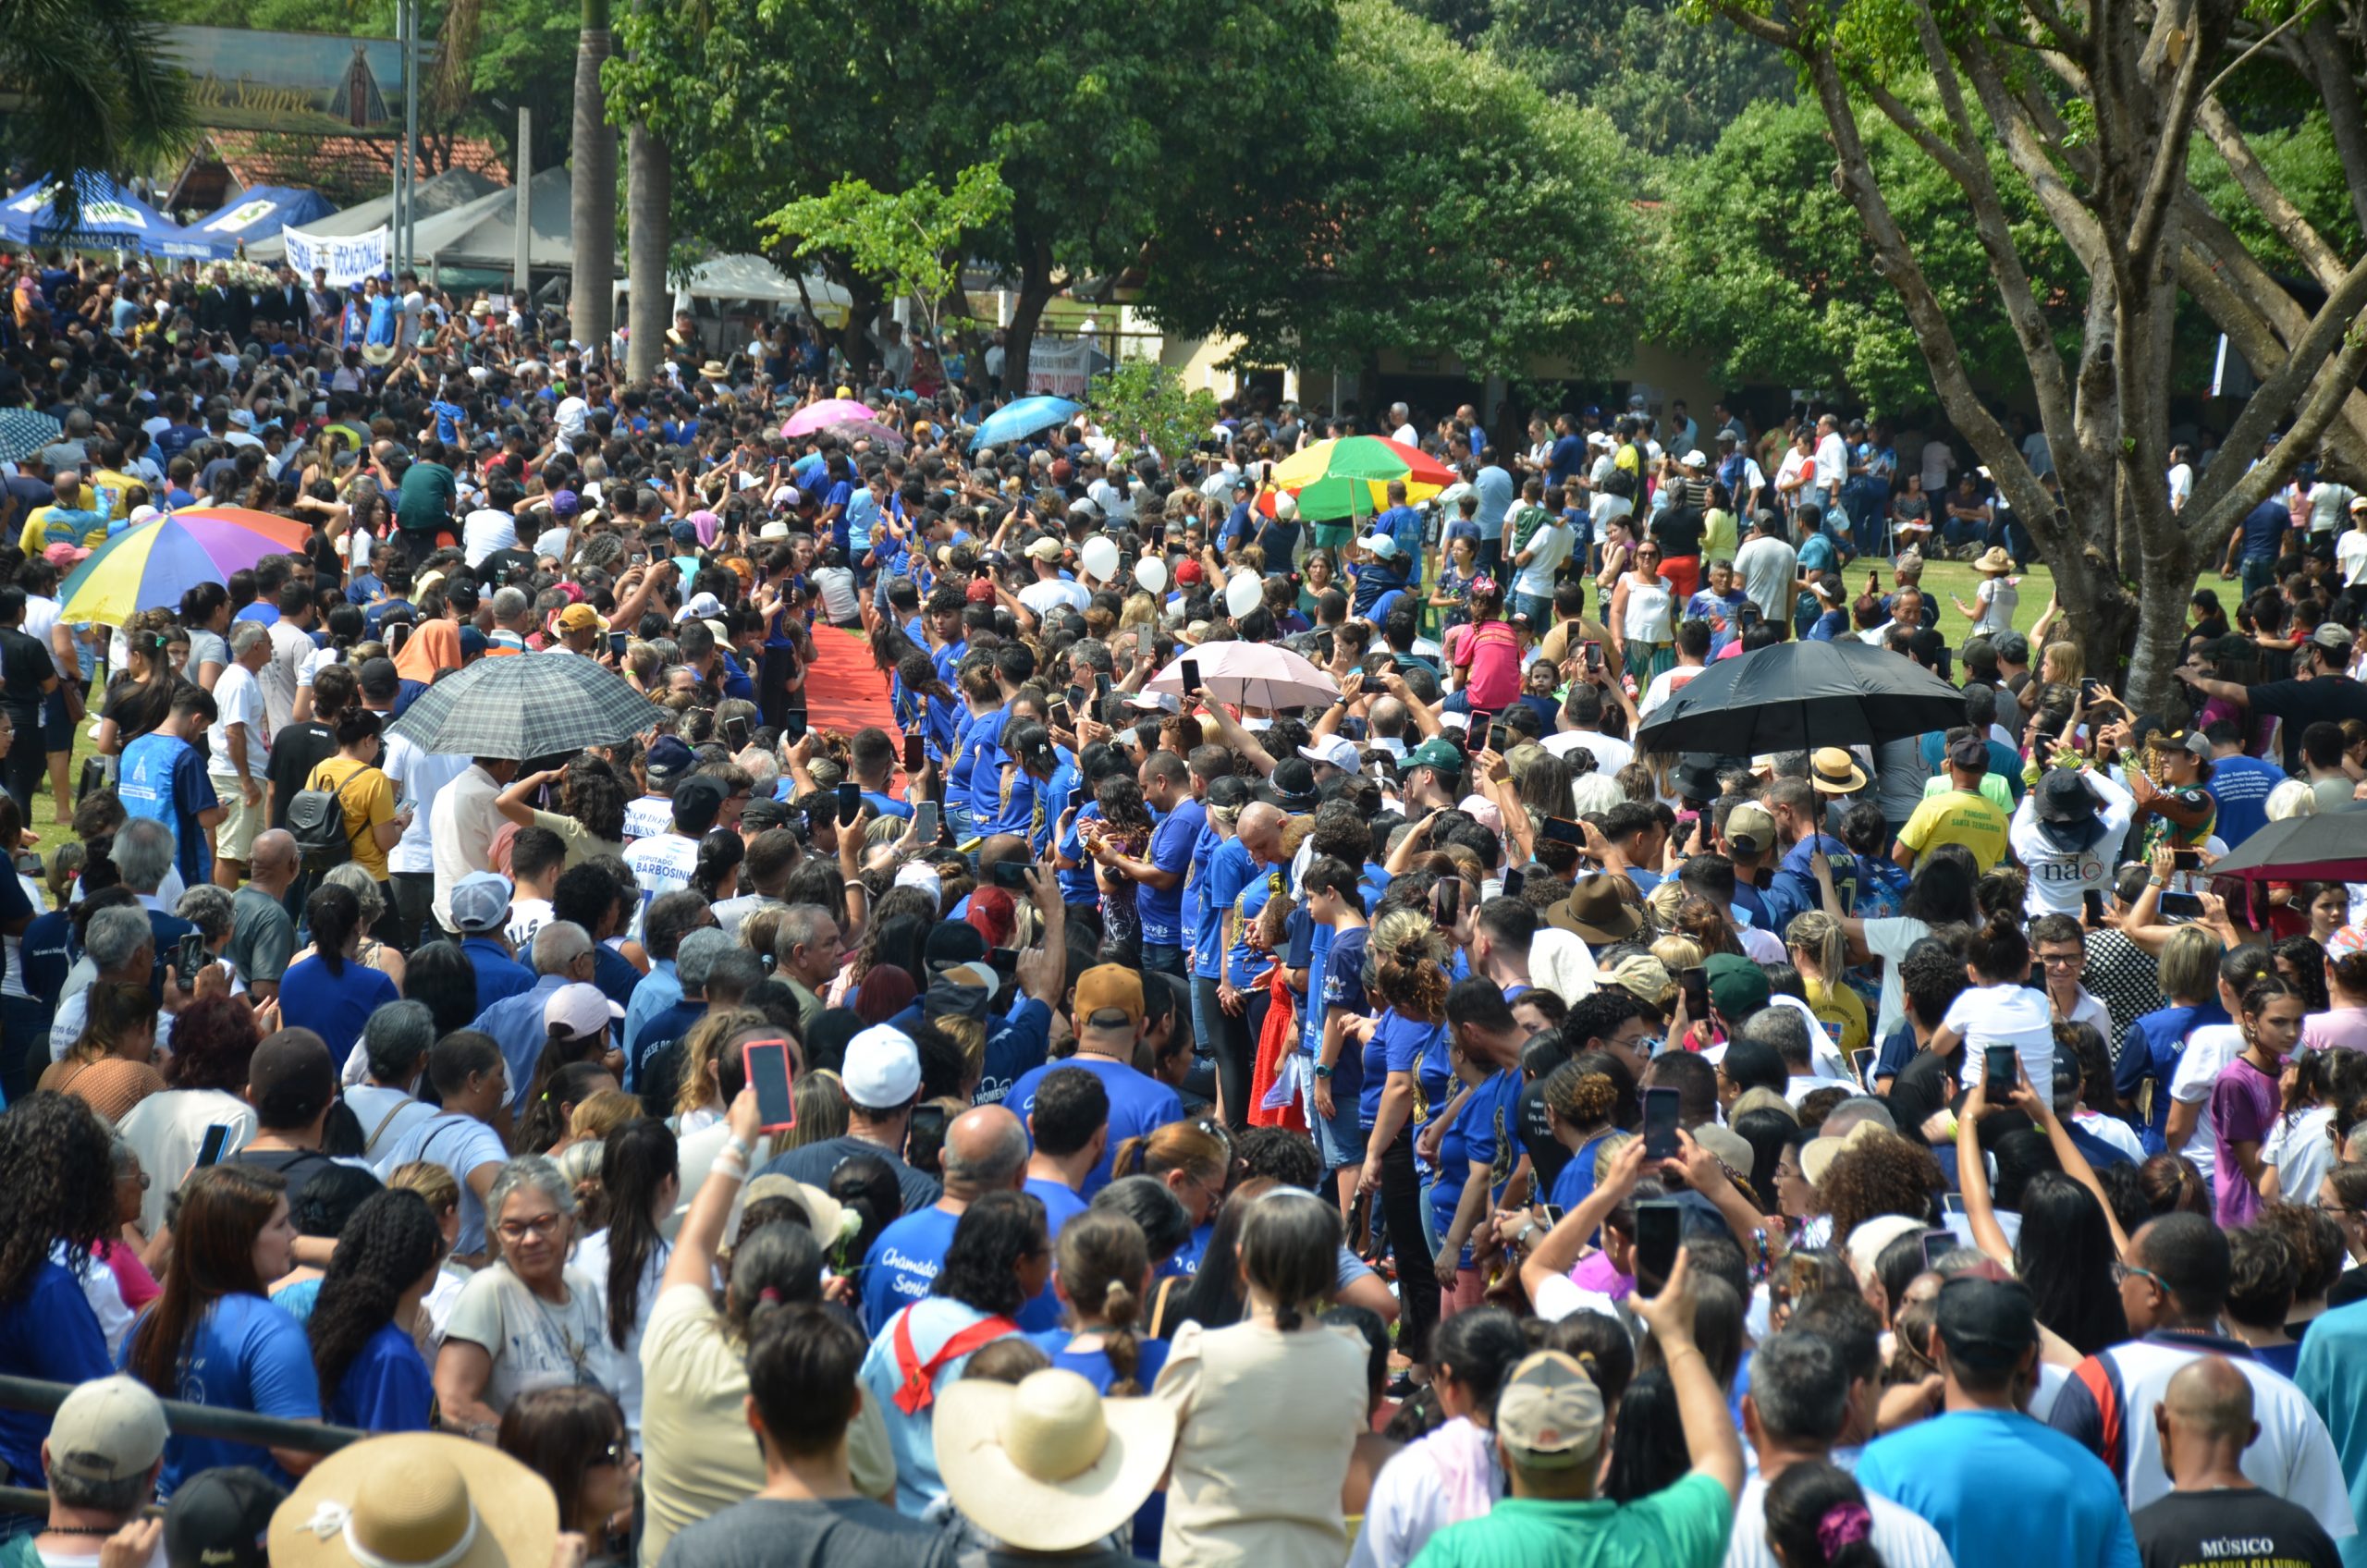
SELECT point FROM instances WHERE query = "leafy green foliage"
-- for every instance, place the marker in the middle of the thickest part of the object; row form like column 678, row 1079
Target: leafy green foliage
column 1438, row 201
column 909, row 242
column 1141, row 403
column 1765, row 266
column 2302, row 161
column 1667, row 82
column 97, row 95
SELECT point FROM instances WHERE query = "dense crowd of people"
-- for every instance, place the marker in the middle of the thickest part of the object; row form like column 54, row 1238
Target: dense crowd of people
column 1248, row 1057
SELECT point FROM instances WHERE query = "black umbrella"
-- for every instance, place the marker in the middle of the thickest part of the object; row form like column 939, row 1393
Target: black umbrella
column 1793, row 696
column 2330, row 847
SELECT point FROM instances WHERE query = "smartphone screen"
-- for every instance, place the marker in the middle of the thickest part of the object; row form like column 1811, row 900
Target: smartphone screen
column 1861, row 1062
column 1513, row 880
column 1660, row 1123
column 768, row 1065
column 1446, row 901
column 2186, row 860
column 1075, row 698
column 735, row 733
column 1562, row 831
column 1005, row 963
column 1998, row 1064
column 1594, row 658
column 1746, row 615
column 2038, row 975
column 187, row 960
column 1191, row 676
column 1658, row 1226
column 1499, row 738
column 1060, row 714
column 1010, row 874
column 616, row 640
column 1696, row 982
column 1554, row 1212
column 2095, row 900
column 1952, row 1203
column 850, row 803
column 2180, row 906
column 1937, row 1244
column 217, row 1137
column 913, row 757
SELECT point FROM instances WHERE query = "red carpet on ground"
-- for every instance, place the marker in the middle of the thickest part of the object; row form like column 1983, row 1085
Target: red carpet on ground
column 844, row 690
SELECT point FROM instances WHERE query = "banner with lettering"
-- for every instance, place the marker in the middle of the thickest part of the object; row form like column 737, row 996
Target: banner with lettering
column 349, row 258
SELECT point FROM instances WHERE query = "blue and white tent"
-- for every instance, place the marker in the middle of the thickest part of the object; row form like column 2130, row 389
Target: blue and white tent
column 110, row 218
column 262, row 210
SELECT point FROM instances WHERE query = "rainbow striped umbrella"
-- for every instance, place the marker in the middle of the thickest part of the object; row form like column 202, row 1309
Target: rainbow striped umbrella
column 152, row 564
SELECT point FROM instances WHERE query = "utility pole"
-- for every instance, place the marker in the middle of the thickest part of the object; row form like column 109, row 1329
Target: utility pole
column 523, row 171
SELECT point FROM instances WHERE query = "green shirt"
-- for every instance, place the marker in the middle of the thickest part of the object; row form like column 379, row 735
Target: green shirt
column 1995, row 790
column 1682, row 1526
column 423, row 502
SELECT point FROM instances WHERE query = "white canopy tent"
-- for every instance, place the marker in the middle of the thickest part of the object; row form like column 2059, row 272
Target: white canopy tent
column 445, row 192
column 744, row 277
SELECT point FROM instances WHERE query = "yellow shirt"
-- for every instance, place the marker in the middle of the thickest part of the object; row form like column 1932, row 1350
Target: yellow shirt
column 367, row 800
column 108, row 492
column 1959, row 817
column 1843, row 1013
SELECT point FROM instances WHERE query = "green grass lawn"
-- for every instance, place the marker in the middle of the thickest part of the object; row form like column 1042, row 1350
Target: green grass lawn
column 1946, row 578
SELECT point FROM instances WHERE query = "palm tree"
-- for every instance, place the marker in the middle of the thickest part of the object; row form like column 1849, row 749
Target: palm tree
column 649, row 184
column 99, row 86
column 593, row 180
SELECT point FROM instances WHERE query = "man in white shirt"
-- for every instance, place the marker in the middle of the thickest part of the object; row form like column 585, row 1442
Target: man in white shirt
column 461, row 825
column 663, row 862
column 1401, row 417
column 238, row 750
column 1768, row 568
column 493, row 525
column 1939, row 463
column 1051, row 590
column 1831, row 472
column 2181, row 476
column 2351, row 550
column 1805, row 1401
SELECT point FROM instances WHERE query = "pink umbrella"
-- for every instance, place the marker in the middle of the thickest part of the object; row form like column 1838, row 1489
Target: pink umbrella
column 1255, row 675
column 834, row 410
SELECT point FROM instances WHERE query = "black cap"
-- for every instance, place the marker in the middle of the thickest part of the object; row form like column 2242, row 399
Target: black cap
column 218, row 1518
column 1293, row 785
column 291, row 1078
column 1970, row 752
column 1987, row 1324
column 698, row 801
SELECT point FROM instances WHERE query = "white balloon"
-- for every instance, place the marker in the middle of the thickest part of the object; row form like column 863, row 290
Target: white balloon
column 1100, row 557
column 1243, row 594
column 1151, row 572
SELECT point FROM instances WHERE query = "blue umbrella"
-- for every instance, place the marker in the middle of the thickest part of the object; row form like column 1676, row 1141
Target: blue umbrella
column 1025, row 416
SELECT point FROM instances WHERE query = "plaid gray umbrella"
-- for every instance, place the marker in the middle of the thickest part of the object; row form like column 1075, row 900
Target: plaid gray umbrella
column 24, row 431
column 524, row 705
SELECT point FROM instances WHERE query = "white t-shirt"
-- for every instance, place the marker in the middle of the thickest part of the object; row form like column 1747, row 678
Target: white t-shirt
column 2181, row 478
column 2006, row 1015
column 1831, row 462
column 418, row 777
column 1768, row 567
column 2059, row 880
column 167, row 1131
column 1903, row 1538
column 535, row 1343
column 1889, row 940
column 484, row 531
column 662, row 863
column 1548, row 549
column 1611, row 754
column 592, row 1261
column 2302, row 1152
column 1939, row 461
column 2208, row 1049
column 2111, row 1129
column 526, row 917
column 1049, row 593
column 2350, row 555
column 238, row 699
column 2328, row 503
column 840, row 602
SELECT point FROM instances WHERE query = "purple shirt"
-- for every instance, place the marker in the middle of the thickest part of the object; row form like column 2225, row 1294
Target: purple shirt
column 2243, row 1108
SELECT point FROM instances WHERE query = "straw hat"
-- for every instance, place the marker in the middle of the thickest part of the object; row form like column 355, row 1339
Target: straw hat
column 416, row 1500
column 1049, row 1464
column 1834, row 771
column 1993, row 561
column 1817, row 1154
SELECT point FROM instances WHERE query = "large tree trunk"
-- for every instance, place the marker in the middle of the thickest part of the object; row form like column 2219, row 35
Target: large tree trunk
column 1026, row 314
column 649, row 191
column 592, row 309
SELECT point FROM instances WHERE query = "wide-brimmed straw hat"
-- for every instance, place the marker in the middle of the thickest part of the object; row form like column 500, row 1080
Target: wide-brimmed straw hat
column 1048, row 1465
column 416, row 1500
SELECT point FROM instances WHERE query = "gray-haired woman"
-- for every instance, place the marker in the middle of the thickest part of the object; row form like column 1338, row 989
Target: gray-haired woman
column 528, row 1321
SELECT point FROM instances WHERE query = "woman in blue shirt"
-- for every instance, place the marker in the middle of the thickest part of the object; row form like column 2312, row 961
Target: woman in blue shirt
column 386, row 1260
column 332, row 993
column 213, row 1338
column 1406, row 971
column 50, row 1145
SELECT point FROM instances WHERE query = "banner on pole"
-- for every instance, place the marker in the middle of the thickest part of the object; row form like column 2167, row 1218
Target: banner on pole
column 348, row 258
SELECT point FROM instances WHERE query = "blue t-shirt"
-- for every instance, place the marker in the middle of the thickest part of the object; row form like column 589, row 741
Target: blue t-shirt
column 982, row 766
column 162, row 778
column 245, row 1354
column 336, row 1006
column 1576, row 1183
column 386, row 1388
column 2240, row 785
column 1483, row 1132
column 1230, row 868
column 1139, row 1104
column 1343, row 991
column 2065, row 1507
column 1246, row 962
column 903, row 1262
column 1161, row 910
column 1094, row 1366
column 51, row 1333
column 2264, row 526
column 1401, row 1045
column 883, row 804
column 1060, row 1206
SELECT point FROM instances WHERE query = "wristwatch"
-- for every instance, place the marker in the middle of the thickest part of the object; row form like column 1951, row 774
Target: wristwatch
column 1321, row 1070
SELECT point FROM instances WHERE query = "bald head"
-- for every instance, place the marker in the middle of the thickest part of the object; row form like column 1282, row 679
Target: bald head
column 986, row 1151
column 275, row 854
column 1261, row 830
column 2205, row 1423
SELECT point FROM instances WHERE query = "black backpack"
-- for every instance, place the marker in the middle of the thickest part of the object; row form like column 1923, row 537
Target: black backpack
column 316, row 821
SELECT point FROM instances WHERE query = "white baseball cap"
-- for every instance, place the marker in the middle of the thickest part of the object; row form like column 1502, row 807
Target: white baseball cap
column 581, row 1008
column 1336, row 750
column 882, row 1070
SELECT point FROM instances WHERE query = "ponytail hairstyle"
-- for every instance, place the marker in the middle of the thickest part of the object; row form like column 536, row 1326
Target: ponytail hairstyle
column 1997, row 949
column 1192, row 1147
column 772, row 1267
column 1818, row 935
column 637, row 1161
column 556, row 1091
column 1290, row 1244
column 1103, row 1262
column 1816, row 1518
column 1478, row 1348
column 333, row 914
column 721, row 854
column 1578, row 1096
column 1406, row 964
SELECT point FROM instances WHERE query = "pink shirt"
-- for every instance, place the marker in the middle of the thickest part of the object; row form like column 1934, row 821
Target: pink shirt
column 2338, row 1028
column 1493, row 649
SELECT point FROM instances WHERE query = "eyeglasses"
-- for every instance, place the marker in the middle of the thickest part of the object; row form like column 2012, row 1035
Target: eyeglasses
column 519, row 1230
column 2062, row 959
column 2124, row 1273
